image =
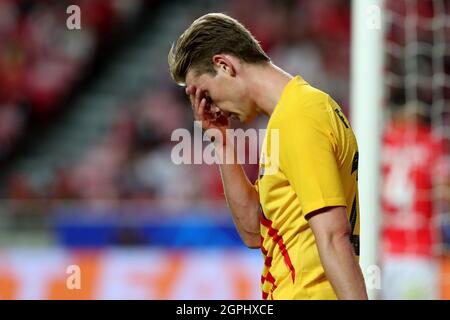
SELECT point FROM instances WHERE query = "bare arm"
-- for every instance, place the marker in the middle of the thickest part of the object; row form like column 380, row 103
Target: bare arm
column 332, row 231
column 241, row 196
column 242, row 199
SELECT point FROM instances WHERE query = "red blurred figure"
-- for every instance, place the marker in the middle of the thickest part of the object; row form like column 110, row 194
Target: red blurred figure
column 413, row 163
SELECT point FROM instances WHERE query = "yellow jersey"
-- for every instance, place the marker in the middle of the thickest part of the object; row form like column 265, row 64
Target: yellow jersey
column 314, row 151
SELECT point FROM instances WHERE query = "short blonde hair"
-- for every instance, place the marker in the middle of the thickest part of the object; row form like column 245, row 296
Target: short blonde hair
column 212, row 34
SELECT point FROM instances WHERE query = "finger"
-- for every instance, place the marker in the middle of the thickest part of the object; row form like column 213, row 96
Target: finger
column 199, row 111
column 201, row 108
column 198, row 97
column 206, row 123
column 190, row 89
column 192, row 98
column 192, row 104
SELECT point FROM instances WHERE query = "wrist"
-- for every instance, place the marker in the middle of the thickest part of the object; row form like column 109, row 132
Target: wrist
column 225, row 152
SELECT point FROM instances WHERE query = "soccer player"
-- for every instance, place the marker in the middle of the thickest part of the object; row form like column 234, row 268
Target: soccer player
column 415, row 172
column 305, row 216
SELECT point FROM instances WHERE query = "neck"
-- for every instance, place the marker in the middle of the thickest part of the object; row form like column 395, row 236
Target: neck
column 266, row 84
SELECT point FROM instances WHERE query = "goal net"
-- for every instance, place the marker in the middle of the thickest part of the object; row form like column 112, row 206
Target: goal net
column 414, row 149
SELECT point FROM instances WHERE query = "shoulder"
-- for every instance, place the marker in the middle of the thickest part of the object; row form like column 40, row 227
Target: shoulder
column 302, row 105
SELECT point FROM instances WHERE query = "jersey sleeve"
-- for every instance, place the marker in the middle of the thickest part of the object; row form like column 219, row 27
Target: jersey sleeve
column 307, row 158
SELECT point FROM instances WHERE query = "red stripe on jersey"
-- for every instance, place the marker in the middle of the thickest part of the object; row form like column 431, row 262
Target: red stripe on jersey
column 268, row 262
column 269, row 278
column 278, row 239
column 263, row 250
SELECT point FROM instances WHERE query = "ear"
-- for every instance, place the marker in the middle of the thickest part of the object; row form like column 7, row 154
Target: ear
column 225, row 63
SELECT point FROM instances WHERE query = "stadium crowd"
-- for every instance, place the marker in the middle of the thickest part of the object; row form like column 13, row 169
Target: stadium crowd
column 40, row 63
column 310, row 38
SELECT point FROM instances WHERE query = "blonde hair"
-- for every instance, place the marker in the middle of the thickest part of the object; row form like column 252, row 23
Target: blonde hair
column 211, row 34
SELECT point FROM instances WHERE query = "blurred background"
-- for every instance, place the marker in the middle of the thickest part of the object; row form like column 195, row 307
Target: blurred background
column 86, row 118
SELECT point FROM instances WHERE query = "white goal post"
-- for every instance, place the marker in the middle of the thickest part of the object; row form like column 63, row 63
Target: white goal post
column 366, row 114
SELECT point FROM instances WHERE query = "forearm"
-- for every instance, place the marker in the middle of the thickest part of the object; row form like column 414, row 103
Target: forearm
column 241, row 197
column 341, row 267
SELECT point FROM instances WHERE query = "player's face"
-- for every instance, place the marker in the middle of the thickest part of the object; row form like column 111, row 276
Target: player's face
column 226, row 93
